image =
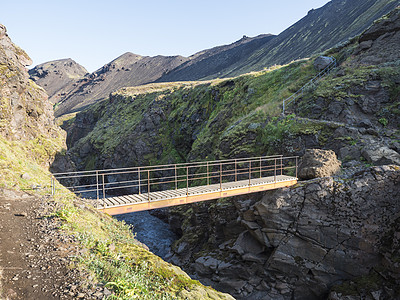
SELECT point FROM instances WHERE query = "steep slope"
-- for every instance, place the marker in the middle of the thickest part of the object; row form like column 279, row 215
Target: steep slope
column 293, row 243
column 57, row 77
column 321, row 29
column 216, row 60
column 60, row 247
column 127, row 70
column 26, row 115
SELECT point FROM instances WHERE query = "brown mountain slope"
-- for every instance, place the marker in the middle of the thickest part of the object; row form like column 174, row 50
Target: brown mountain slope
column 321, row 29
column 127, row 70
column 57, row 76
column 216, row 60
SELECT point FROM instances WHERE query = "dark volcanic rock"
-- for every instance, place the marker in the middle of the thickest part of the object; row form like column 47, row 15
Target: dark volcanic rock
column 310, row 237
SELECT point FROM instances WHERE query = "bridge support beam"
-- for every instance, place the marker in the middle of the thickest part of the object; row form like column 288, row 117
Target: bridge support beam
column 134, row 207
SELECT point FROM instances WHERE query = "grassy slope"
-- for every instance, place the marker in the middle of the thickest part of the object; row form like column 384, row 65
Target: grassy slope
column 112, row 254
column 318, row 31
column 199, row 116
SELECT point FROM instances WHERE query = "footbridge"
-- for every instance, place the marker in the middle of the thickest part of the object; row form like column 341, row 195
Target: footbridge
column 125, row 190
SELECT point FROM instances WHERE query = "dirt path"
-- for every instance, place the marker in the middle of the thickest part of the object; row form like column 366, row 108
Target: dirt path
column 34, row 256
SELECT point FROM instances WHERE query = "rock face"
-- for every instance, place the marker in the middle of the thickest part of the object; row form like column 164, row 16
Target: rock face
column 296, row 243
column 318, row 163
column 25, row 112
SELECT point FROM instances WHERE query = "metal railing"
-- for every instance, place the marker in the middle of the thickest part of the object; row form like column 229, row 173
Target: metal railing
column 144, row 180
column 310, row 83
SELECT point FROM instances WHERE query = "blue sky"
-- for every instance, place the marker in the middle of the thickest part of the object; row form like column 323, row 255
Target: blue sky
column 96, row 32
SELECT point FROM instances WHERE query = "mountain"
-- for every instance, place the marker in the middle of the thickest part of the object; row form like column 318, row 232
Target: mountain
column 57, row 76
column 216, row 60
column 127, row 70
column 321, row 29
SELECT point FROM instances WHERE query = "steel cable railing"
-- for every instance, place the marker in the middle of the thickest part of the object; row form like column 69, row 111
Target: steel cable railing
column 310, row 83
column 147, row 179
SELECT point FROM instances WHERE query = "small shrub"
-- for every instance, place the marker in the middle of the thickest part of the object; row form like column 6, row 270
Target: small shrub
column 383, row 121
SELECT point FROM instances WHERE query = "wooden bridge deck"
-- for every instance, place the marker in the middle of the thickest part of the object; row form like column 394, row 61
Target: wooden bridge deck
column 145, row 201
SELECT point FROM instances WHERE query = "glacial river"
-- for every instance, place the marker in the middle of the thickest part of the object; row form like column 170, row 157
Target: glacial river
column 151, row 231
column 148, row 229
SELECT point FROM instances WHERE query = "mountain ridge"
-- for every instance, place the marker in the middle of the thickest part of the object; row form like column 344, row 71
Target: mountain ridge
column 321, row 29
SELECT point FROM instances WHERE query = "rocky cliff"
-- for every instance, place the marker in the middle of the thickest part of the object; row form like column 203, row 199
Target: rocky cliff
column 297, row 243
column 25, row 113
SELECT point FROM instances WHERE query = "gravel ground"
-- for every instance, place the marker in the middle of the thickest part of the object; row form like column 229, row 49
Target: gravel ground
column 36, row 258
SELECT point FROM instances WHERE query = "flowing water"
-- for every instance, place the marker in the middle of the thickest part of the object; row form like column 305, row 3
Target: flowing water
column 148, row 229
column 151, row 231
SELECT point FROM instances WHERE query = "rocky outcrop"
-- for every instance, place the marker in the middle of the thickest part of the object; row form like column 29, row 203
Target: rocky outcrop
column 318, row 163
column 25, row 112
column 297, row 243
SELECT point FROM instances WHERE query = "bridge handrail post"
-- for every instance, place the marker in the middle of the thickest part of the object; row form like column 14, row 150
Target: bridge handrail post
column 208, row 175
column 281, row 166
column 260, row 167
column 176, row 179
column 187, row 181
column 148, row 185
column 97, row 185
column 139, row 180
column 235, row 169
column 104, row 188
column 220, row 177
column 249, row 173
column 275, row 171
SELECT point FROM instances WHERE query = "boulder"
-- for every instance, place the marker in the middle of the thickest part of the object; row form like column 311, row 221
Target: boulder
column 318, row 163
column 380, row 155
column 322, row 62
column 206, row 265
column 246, row 243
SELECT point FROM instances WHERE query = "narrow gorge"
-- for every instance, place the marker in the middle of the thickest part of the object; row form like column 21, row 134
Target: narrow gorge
column 334, row 237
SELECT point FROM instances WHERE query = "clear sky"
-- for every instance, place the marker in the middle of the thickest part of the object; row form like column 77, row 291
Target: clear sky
column 94, row 32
